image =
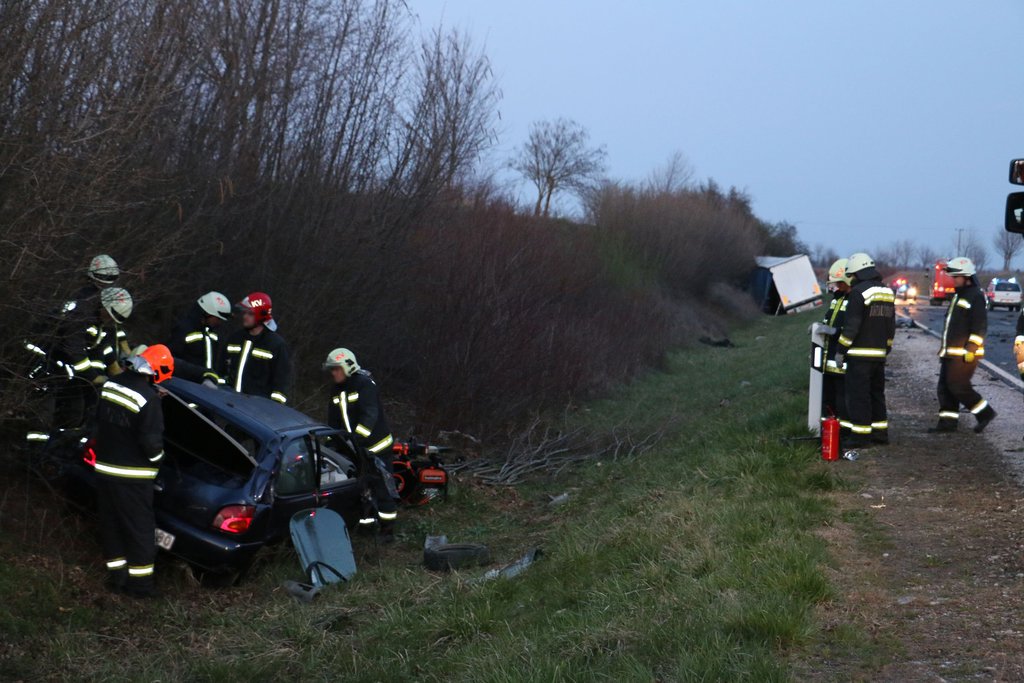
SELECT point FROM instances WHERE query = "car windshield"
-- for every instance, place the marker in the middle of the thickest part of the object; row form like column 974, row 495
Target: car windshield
column 1007, row 287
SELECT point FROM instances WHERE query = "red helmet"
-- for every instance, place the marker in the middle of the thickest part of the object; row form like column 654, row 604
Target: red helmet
column 260, row 305
column 160, row 361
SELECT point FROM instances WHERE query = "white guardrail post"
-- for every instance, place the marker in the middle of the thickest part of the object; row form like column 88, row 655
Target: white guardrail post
column 819, row 332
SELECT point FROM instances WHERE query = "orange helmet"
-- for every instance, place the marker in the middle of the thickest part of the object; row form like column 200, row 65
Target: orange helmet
column 160, row 360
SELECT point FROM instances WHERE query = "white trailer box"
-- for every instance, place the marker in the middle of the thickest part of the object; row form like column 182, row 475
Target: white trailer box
column 785, row 284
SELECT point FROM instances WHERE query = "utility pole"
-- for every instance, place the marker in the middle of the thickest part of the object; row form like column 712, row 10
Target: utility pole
column 959, row 232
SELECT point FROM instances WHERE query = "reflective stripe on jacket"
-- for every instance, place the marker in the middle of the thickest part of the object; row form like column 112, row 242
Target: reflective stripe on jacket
column 966, row 323
column 130, row 427
column 259, row 365
column 870, row 325
column 835, row 318
column 356, row 409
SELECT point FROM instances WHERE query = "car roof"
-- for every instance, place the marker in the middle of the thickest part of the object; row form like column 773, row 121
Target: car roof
column 262, row 417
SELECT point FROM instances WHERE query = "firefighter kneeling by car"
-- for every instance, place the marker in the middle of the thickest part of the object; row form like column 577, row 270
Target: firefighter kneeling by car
column 129, row 447
column 356, row 410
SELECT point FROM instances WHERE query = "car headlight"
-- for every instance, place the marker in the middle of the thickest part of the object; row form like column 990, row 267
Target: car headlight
column 911, row 291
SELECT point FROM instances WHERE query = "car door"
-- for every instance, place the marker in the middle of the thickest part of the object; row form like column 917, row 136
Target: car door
column 311, row 474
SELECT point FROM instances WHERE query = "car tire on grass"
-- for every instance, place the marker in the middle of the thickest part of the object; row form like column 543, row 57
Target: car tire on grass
column 450, row 556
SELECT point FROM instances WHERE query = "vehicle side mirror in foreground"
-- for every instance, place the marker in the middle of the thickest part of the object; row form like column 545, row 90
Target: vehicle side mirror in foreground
column 1014, row 220
column 1017, row 171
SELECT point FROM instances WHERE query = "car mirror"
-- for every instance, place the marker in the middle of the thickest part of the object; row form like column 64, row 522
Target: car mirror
column 1014, row 220
column 1017, row 171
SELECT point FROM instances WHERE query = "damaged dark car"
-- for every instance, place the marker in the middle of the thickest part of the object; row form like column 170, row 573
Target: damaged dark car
column 236, row 469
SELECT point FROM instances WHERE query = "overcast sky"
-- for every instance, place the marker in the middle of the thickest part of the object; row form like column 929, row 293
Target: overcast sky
column 859, row 121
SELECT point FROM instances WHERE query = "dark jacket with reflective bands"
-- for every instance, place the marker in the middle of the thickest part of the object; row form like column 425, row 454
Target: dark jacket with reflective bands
column 259, row 365
column 835, row 318
column 195, row 347
column 966, row 323
column 870, row 325
column 355, row 408
column 130, row 428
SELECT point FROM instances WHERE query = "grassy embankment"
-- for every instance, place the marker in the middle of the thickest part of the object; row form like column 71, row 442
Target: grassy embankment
column 697, row 561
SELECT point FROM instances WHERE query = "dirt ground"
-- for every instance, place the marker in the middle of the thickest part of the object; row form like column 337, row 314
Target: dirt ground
column 928, row 542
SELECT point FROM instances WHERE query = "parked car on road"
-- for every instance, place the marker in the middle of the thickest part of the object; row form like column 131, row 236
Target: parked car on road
column 1004, row 293
column 236, row 469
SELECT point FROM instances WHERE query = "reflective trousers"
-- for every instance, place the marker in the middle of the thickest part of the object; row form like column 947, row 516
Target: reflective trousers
column 865, row 398
column 833, row 398
column 127, row 528
column 955, row 390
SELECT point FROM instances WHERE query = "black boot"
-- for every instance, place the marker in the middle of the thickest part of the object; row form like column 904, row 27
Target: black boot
column 944, row 427
column 984, row 417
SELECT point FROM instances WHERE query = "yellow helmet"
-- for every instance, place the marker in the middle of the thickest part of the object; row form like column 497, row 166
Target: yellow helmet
column 837, row 273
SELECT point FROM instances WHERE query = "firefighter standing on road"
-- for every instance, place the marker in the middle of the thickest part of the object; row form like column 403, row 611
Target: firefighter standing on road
column 864, row 344
column 963, row 345
column 833, row 388
column 255, row 359
column 194, row 341
column 129, row 447
column 356, row 410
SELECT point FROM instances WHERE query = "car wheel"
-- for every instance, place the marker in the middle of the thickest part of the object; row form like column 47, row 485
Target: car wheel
column 455, row 556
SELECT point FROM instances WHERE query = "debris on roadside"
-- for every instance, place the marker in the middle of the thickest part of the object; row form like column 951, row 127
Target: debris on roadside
column 510, row 571
column 440, row 555
column 560, row 499
column 724, row 342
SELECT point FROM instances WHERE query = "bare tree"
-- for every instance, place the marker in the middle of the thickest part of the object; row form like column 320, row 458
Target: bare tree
column 926, row 256
column 677, row 174
column 902, row 253
column 973, row 248
column 557, row 157
column 823, row 256
column 1007, row 246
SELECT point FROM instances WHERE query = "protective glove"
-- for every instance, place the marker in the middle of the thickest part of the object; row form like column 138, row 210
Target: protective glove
column 969, row 357
column 840, row 358
column 210, row 383
column 100, row 380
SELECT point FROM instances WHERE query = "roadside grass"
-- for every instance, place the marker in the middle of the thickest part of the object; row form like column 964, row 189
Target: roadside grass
column 695, row 561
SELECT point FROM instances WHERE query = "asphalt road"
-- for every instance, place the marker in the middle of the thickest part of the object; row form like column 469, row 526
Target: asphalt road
column 1002, row 328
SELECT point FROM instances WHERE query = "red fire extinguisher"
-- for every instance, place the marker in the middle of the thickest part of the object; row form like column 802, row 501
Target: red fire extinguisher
column 830, row 438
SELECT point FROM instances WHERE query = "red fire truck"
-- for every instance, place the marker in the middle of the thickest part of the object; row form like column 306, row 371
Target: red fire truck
column 942, row 284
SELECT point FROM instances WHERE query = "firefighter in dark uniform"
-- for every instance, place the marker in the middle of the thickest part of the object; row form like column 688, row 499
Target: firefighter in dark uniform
column 195, row 342
column 79, row 355
column 864, row 345
column 255, row 360
column 103, row 272
column 963, row 345
column 129, row 448
column 355, row 409
column 833, row 394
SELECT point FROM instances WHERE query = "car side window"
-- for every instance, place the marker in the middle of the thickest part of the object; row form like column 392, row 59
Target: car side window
column 297, row 469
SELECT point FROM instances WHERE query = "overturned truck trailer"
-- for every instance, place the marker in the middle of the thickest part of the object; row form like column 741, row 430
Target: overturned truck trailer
column 785, row 284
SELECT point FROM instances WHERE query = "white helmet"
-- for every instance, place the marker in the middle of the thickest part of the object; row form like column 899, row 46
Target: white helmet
column 117, row 302
column 342, row 358
column 103, row 270
column 215, row 304
column 837, row 272
column 858, row 262
column 961, row 265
